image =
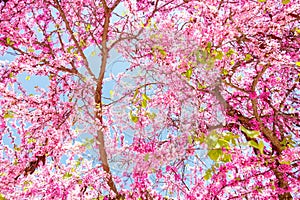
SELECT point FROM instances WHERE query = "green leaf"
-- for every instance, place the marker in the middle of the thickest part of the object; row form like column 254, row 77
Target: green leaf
column 284, row 2
column 70, row 48
column 111, row 93
column 133, row 117
column 8, row 41
column 145, row 97
column 190, row 139
column 27, row 78
column 298, row 63
column 135, row 93
column 262, row 1
column 93, row 53
column 283, row 162
column 215, row 154
column 150, row 115
column 223, row 143
column 31, row 140
column 251, row 134
column 11, row 74
column 189, row 73
column 2, row 197
column 8, row 115
column 30, row 50
column 208, row 46
column 248, row 57
column 225, row 72
column 144, row 103
column 207, row 175
column 146, row 157
column 226, row 158
column 78, row 163
column 67, row 175
column 230, row 52
column 198, row 56
column 200, row 139
column 261, row 147
column 218, row 54
column 253, row 144
column 88, row 27
column 162, row 52
column 82, row 43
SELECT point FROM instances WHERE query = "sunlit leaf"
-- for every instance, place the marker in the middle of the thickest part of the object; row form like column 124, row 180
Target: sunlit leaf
column 248, row 57
column 93, row 53
column 133, row 117
column 31, row 140
column 189, row 73
column 8, row 115
column 88, row 27
column 144, row 103
column 2, row 197
column 215, row 154
column 145, row 97
column 253, row 144
column 226, row 158
column 111, row 93
column 284, row 2
column 67, row 175
column 208, row 174
column 146, row 157
column 251, row 134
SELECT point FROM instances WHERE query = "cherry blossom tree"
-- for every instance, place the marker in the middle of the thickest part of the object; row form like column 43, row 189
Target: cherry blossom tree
column 208, row 107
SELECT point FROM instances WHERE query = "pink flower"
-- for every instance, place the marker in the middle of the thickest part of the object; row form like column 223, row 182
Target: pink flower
column 252, row 95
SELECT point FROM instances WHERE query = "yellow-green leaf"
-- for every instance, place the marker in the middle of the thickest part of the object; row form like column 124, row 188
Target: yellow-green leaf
column 261, row 147
column 67, row 175
column 215, row 154
column 226, row 158
column 8, row 115
column 190, row 139
column 298, row 63
column 30, row 50
column 251, row 134
column 144, row 103
column 229, row 52
column 133, row 117
column 284, row 2
column 225, row 72
column 145, row 97
column 8, row 41
column 93, row 53
column 2, row 197
column 88, row 27
column 248, row 57
column 146, row 157
column 27, row 78
column 218, row 54
column 31, row 140
column 111, row 93
column 189, row 73
column 208, row 174
column 151, row 115
column 253, row 144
